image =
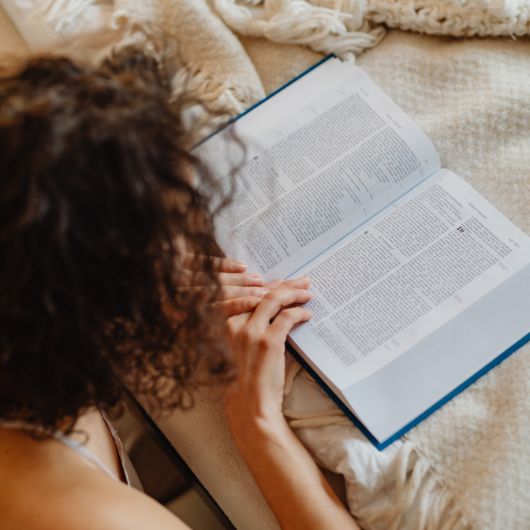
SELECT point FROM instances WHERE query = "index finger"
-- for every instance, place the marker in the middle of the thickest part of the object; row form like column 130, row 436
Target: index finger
column 272, row 302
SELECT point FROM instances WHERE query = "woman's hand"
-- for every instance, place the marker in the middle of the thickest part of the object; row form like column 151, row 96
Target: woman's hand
column 240, row 292
column 289, row 479
column 257, row 341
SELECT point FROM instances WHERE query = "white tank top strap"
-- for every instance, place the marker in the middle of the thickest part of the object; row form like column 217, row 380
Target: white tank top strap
column 83, row 451
column 128, row 471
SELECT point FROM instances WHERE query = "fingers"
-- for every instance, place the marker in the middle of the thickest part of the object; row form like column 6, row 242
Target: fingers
column 287, row 318
column 245, row 280
column 237, row 322
column 269, row 307
column 234, row 289
column 227, row 292
column 298, row 283
column 198, row 279
column 237, row 306
column 198, row 263
column 230, row 292
column 274, row 301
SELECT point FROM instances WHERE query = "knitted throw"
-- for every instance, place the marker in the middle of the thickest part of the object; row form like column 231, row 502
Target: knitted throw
column 345, row 27
column 471, row 456
column 342, row 27
column 216, row 68
column 467, row 465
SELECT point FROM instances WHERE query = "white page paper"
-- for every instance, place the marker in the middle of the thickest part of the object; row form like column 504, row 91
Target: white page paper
column 295, row 96
column 317, row 174
column 424, row 376
column 407, row 272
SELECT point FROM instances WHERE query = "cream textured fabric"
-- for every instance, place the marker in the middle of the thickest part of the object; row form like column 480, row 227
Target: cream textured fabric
column 216, row 66
column 44, row 24
column 217, row 69
column 202, row 438
column 458, row 18
column 336, row 26
column 346, row 27
column 342, row 27
column 11, row 43
column 468, row 464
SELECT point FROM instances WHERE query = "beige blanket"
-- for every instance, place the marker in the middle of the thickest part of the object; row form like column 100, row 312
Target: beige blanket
column 344, row 27
column 471, row 98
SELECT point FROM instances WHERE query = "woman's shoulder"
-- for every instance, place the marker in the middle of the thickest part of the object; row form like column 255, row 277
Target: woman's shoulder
column 110, row 506
column 51, row 489
column 90, row 506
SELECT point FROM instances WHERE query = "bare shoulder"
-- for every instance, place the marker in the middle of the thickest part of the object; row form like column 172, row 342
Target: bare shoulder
column 91, row 502
column 117, row 507
column 44, row 485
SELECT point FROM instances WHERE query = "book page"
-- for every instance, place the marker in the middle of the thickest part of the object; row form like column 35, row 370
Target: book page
column 404, row 274
column 396, row 397
column 317, row 174
column 295, row 96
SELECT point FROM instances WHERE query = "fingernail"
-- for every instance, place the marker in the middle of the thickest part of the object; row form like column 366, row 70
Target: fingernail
column 275, row 283
column 237, row 265
column 302, row 282
column 259, row 292
column 255, row 279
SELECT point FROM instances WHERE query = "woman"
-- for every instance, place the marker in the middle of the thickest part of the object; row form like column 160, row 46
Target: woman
column 107, row 279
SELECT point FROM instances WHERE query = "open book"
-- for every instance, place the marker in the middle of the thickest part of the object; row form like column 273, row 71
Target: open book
column 420, row 286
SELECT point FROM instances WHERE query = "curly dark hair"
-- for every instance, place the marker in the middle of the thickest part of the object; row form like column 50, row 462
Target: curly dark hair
column 97, row 210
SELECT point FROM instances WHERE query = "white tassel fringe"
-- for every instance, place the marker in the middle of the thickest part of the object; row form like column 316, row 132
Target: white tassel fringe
column 326, row 26
column 217, row 96
column 457, row 18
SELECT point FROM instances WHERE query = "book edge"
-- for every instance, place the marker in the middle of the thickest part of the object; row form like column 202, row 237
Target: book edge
column 272, row 94
column 382, row 445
